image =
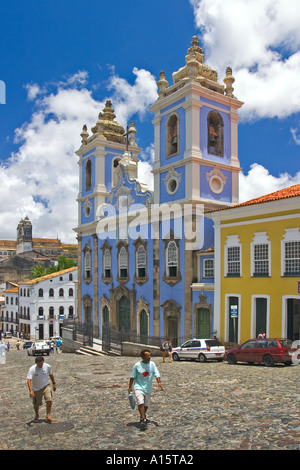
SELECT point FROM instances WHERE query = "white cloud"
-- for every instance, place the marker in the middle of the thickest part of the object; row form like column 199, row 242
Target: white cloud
column 145, row 174
column 41, row 179
column 296, row 135
column 260, row 39
column 259, row 181
column 133, row 99
column 33, row 91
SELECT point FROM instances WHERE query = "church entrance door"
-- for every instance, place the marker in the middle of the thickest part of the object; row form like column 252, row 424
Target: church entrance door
column 172, row 330
column 124, row 314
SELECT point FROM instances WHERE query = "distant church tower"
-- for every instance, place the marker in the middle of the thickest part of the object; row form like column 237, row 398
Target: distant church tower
column 24, row 236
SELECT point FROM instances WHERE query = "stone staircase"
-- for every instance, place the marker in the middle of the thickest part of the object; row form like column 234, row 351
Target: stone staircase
column 95, row 350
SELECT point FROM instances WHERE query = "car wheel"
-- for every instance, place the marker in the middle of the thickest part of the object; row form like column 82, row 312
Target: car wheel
column 268, row 361
column 202, row 358
column 231, row 359
column 175, row 357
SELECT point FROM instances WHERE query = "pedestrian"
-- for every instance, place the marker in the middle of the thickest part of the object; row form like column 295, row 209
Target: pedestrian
column 141, row 380
column 2, row 352
column 167, row 349
column 39, row 386
column 18, row 345
column 58, row 345
column 262, row 335
column 8, row 346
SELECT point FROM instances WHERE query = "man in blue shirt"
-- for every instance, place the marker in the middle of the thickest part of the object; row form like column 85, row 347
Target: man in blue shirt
column 142, row 376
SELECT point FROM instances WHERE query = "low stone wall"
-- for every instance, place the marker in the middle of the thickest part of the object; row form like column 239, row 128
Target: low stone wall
column 68, row 344
column 134, row 349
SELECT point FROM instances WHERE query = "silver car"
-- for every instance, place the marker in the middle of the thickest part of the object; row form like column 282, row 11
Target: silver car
column 201, row 349
column 38, row 349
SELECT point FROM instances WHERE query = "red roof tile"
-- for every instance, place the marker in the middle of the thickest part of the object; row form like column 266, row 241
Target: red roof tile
column 291, row 191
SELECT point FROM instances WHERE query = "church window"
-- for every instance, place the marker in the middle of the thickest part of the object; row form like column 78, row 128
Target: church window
column 41, row 293
column 172, row 273
column 172, row 259
column 141, row 261
column 107, row 263
column 123, row 263
column 71, row 293
column 88, row 175
column 87, row 265
column 51, row 293
column 61, row 292
column 115, row 166
column 172, row 135
column 215, row 138
column 41, row 313
column 140, row 275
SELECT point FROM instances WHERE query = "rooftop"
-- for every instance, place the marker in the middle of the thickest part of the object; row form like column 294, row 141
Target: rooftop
column 291, row 191
column 49, row 276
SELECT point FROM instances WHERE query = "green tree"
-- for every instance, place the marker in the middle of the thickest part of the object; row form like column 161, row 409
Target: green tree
column 62, row 263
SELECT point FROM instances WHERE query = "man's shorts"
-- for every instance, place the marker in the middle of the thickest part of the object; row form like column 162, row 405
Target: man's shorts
column 142, row 398
column 45, row 392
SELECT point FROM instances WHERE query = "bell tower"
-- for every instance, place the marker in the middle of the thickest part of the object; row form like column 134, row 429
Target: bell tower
column 195, row 134
column 100, row 155
column 24, row 236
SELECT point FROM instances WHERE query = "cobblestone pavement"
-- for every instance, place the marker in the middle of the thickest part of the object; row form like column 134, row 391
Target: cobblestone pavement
column 203, row 406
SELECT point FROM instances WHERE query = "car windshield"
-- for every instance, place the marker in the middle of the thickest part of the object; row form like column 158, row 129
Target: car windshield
column 285, row 343
column 213, row 342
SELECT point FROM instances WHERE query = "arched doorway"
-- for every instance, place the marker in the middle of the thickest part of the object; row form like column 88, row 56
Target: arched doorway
column 172, row 321
column 124, row 314
column 203, row 322
column 203, row 318
column 144, row 326
column 172, row 330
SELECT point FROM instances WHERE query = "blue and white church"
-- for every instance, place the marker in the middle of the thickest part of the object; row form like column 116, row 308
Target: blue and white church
column 146, row 258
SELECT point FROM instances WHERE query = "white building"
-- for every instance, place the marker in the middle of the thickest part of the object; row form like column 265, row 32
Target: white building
column 45, row 302
column 9, row 310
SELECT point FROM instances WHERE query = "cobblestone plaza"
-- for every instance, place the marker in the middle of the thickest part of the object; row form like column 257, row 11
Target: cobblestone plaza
column 203, row 407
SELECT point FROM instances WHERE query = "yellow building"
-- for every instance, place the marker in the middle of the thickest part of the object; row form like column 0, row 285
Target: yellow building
column 257, row 267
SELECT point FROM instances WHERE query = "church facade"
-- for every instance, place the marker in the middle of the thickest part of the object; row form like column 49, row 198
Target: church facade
column 146, row 258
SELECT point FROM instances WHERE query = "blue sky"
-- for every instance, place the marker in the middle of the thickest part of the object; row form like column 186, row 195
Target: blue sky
column 61, row 60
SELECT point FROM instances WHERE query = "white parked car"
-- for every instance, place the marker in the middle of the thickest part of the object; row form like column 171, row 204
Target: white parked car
column 38, row 349
column 201, row 349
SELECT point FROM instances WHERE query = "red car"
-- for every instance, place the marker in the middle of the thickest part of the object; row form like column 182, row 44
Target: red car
column 267, row 350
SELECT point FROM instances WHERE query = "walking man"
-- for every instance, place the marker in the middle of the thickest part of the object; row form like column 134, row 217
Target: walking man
column 39, row 386
column 142, row 376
